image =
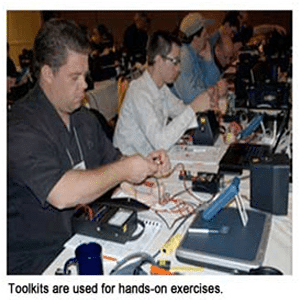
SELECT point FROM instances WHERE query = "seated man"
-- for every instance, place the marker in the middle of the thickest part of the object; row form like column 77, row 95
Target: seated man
column 223, row 53
column 151, row 116
column 198, row 70
column 58, row 154
column 136, row 37
column 103, row 60
column 235, row 25
column 229, row 27
column 246, row 31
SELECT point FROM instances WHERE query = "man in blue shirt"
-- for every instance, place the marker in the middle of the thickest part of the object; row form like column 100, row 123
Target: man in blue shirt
column 199, row 73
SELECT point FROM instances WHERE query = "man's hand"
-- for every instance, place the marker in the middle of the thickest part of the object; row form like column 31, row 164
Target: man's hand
column 222, row 87
column 138, row 168
column 10, row 83
column 161, row 158
column 203, row 101
column 206, row 52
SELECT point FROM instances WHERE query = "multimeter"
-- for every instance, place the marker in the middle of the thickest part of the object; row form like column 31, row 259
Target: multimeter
column 109, row 222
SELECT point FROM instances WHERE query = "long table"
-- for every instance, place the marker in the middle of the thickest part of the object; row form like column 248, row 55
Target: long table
column 279, row 248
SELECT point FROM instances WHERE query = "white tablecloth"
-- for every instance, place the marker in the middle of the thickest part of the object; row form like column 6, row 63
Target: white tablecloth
column 279, row 248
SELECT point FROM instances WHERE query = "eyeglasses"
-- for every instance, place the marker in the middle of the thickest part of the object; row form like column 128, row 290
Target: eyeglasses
column 174, row 60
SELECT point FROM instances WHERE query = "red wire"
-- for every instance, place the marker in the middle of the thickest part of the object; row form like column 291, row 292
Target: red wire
column 87, row 209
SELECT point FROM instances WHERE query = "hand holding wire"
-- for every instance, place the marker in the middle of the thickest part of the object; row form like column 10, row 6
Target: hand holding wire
column 161, row 158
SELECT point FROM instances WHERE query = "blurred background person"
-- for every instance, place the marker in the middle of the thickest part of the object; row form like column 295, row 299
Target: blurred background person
column 136, row 37
column 103, row 60
column 199, row 73
column 223, row 53
column 19, row 82
column 12, row 72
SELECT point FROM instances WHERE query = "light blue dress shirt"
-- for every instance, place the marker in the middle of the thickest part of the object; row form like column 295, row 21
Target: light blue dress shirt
column 196, row 75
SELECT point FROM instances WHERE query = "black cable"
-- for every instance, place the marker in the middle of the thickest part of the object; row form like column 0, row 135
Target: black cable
column 283, row 124
column 165, row 221
column 181, row 224
column 144, row 258
column 138, row 235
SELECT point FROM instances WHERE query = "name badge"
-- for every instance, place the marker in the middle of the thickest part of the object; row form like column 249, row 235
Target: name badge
column 80, row 166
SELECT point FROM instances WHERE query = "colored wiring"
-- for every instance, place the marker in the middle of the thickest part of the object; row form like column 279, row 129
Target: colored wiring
column 181, row 207
column 87, row 209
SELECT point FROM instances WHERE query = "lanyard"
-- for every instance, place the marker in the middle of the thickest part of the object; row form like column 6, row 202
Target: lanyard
column 79, row 148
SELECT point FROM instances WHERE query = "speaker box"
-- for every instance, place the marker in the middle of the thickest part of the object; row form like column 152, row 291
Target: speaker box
column 270, row 184
column 208, row 129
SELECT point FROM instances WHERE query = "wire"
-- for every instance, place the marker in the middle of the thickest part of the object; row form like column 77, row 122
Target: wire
column 158, row 190
column 185, row 218
column 180, row 225
column 182, row 207
column 185, row 210
column 179, row 193
column 87, row 210
column 185, row 186
column 165, row 221
column 144, row 258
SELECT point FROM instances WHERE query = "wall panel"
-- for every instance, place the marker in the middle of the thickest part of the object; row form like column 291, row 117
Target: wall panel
column 22, row 27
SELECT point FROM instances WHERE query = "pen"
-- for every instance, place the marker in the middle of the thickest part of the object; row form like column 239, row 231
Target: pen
column 109, row 258
column 222, row 230
column 202, row 230
column 186, row 269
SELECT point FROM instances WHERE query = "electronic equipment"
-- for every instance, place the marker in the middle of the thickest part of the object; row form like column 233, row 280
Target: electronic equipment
column 257, row 81
column 251, row 128
column 270, row 184
column 239, row 157
column 108, row 222
column 222, row 200
column 237, row 250
column 125, row 202
column 216, row 239
column 207, row 131
column 268, row 95
column 206, row 183
column 203, row 182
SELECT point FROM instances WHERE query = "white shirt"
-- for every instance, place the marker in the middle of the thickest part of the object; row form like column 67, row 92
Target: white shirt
column 144, row 121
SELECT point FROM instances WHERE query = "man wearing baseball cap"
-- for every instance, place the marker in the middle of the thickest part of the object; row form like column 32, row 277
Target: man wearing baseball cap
column 199, row 73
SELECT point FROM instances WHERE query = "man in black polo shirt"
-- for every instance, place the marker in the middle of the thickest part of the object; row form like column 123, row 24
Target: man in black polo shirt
column 58, row 154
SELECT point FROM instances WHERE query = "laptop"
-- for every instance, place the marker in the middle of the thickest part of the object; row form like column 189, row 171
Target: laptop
column 237, row 250
column 240, row 156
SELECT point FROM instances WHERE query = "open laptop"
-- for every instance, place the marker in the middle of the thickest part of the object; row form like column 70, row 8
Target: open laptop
column 239, row 156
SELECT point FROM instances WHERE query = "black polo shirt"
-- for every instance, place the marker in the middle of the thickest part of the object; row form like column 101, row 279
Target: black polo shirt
column 40, row 150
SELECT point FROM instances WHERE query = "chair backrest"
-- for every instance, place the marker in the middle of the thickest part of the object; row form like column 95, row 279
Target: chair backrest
column 104, row 98
column 123, row 84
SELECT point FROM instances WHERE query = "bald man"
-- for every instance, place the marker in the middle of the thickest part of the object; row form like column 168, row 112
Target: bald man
column 223, row 52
